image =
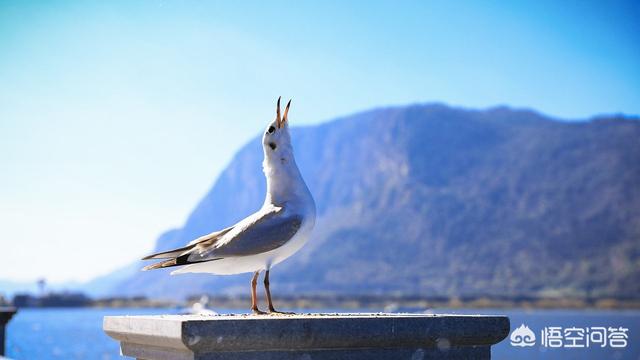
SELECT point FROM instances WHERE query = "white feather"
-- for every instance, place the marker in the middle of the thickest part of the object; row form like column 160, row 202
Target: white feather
column 287, row 190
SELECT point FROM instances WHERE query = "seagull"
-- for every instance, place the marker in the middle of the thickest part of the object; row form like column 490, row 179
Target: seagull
column 261, row 240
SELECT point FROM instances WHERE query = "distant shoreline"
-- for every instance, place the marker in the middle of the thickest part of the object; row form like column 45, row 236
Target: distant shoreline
column 417, row 304
column 378, row 302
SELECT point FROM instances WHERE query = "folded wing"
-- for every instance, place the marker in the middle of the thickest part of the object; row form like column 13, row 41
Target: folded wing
column 265, row 232
column 203, row 241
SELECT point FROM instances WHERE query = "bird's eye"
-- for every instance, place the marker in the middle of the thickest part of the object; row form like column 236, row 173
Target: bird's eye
column 271, row 129
column 272, row 146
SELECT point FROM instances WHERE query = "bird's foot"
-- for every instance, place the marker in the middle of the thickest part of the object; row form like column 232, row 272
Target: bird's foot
column 276, row 312
column 257, row 311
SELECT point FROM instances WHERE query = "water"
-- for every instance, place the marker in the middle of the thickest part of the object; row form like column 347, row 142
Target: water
column 74, row 333
column 77, row 333
column 537, row 320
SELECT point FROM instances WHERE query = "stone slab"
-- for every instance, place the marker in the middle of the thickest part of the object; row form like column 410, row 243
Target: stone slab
column 307, row 336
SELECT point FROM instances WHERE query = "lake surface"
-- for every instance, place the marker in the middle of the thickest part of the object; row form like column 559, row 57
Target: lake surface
column 77, row 333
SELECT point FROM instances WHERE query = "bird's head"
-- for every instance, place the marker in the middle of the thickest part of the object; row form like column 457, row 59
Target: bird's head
column 276, row 140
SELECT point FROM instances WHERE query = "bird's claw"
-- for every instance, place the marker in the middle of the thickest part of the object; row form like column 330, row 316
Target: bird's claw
column 276, row 312
column 257, row 311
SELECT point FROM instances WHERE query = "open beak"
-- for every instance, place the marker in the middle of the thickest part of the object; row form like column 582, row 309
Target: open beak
column 278, row 118
column 280, row 121
column 286, row 112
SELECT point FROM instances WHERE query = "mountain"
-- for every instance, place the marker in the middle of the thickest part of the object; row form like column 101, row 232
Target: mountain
column 433, row 200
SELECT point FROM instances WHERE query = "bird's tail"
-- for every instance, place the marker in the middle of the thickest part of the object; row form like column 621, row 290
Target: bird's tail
column 161, row 264
column 182, row 259
column 169, row 253
column 175, row 257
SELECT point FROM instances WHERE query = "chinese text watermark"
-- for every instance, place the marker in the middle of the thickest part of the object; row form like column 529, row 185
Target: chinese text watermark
column 572, row 337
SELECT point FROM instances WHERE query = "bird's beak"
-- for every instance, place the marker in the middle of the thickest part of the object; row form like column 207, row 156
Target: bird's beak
column 279, row 121
column 286, row 111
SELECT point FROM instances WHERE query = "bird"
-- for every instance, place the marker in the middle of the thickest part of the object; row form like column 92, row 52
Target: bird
column 263, row 239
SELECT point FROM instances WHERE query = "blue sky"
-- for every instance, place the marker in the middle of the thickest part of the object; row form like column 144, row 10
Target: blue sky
column 116, row 117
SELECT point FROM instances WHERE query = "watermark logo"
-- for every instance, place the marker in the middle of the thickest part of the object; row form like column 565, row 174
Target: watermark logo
column 572, row 337
column 522, row 336
column 584, row 337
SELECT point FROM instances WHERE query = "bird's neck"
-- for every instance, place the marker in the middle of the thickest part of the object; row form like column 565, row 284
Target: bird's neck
column 284, row 181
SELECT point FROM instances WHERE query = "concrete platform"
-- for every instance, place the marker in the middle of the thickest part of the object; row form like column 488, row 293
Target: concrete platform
column 307, row 336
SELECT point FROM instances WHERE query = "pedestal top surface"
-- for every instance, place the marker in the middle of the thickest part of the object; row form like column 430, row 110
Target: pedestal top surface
column 306, row 331
column 355, row 316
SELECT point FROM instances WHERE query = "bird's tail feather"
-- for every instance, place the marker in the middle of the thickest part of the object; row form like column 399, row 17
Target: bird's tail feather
column 169, row 253
column 161, row 264
column 177, row 261
column 180, row 260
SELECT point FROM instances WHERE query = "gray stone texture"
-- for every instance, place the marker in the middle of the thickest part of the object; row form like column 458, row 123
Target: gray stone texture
column 310, row 336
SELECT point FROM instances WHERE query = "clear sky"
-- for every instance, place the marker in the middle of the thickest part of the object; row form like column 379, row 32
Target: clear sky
column 116, row 117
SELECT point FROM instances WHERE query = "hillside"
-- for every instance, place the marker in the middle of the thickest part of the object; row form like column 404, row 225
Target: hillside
column 434, row 200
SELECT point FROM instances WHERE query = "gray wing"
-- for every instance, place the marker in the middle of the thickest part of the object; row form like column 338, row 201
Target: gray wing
column 201, row 242
column 267, row 233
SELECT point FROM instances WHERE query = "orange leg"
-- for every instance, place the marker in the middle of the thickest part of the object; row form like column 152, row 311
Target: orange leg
column 272, row 310
column 254, row 296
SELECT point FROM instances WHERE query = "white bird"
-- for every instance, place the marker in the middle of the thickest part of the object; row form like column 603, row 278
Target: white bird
column 279, row 229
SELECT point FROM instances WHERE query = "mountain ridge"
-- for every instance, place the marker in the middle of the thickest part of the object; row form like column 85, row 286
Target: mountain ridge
column 477, row 196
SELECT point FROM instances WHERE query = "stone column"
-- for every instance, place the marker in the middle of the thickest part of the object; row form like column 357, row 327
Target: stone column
column 309, row 337
column 6, row 313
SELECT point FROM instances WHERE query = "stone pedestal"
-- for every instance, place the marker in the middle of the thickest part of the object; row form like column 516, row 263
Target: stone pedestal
column 310, row 336
column 6, row 313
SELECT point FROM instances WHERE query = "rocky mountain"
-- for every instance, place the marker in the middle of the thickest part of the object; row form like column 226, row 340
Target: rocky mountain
column 434, row 200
